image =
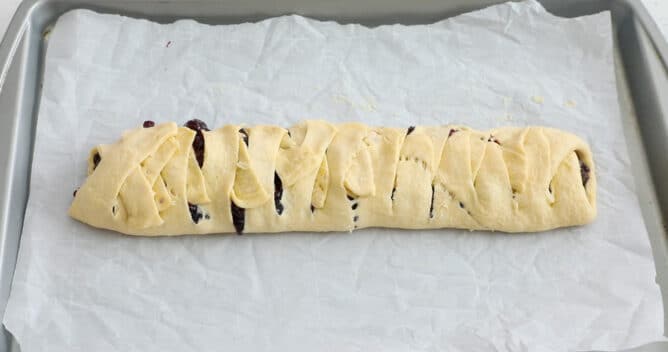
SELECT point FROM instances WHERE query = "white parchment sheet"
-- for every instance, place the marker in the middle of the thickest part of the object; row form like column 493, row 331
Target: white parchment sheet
column 81, row 289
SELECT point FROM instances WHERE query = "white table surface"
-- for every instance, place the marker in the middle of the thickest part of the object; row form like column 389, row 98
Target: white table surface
column 7, row 8
column 657, row 8
column 659, row 11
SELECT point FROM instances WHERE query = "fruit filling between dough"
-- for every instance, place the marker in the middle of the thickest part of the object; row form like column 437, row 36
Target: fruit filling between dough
column 278, row 194
column 198, row 142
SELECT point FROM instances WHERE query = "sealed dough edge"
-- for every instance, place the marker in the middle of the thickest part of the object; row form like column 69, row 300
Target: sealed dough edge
column 316, row 176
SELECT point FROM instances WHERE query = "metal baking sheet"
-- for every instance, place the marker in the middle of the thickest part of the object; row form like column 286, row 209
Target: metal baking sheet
column 640, row 60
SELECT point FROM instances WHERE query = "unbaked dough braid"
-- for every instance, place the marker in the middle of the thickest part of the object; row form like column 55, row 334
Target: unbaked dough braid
column 318, row 176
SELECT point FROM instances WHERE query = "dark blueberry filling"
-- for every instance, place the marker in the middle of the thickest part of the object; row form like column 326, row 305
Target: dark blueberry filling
column 584, row 172
column 113, row 210
column 96, row 160
column 238, row 218
column 74, row 194
column 198, row 143
column 492, row 139
column 461, row 205
column 278, row 194
column 312, row 209
column 197, row 125
column 410, row 130
column 198, row 147
column 195, row 212
column 431, row 207
column 245, row 135
column 148, row 124
column 452, row 131
column 354, row 207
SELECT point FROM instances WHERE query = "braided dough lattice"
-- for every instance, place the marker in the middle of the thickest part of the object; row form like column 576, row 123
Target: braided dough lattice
column 318, row 176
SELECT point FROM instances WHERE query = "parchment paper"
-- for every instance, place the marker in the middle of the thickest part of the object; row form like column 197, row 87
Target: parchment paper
column 81, row 289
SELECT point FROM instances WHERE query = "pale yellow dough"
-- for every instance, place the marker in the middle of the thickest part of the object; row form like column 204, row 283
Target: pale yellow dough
column 339, row 178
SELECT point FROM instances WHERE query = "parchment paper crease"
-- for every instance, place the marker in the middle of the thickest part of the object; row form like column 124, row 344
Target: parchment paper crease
column 81, row 289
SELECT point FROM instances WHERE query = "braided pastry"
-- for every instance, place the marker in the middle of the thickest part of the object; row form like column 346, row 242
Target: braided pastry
column 317, row 176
